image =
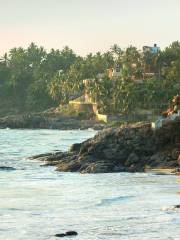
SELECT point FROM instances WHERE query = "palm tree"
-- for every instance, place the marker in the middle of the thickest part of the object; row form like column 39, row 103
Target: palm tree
column 4, row 59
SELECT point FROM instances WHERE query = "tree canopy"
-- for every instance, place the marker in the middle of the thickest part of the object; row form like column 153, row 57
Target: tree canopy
column 33, row 79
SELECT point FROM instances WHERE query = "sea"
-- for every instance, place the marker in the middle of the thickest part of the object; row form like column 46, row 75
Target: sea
column 38, row 202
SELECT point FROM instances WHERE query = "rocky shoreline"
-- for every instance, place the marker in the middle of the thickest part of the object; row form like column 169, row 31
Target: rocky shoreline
column 45, row 121
column 131, row 148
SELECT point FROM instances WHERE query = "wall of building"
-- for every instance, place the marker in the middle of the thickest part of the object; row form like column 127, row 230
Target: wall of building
column 107, row 118
column 82, row 106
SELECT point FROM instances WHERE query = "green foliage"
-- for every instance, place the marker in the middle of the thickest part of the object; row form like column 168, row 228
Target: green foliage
column 26, row 74
column 34, row 79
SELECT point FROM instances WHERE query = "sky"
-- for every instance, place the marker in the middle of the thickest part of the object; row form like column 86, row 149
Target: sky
column 88, row 25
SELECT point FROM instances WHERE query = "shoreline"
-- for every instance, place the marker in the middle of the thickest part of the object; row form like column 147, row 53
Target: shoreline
column 162, row 171
column 131, row 148
column 43, row 121
column 45, row 158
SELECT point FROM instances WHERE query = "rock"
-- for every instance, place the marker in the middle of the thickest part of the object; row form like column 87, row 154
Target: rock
column 42, row 155
column 71, row 233
column 177, row 206
column 135, row 168
column 177, row 170
column 132, row 159
column 67, row 234
column 159, row 158
column 178, row 159
column 5, row 168
column 175, row 153
column 97, row 167
column 60, row 235
column 119, row 168
column 129, row 148
column 47, row 120
column 173, row 208
column 75, row 147
column 72, row 166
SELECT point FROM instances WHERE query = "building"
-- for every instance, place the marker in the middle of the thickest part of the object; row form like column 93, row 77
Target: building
column 155, row 49
column 135, row 72
column 150, row 70
column 114, row 72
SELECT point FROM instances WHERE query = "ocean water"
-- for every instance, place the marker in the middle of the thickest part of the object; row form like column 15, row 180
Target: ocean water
column 37, row 202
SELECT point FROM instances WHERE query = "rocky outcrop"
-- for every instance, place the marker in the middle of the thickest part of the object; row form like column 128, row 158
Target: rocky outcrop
column 43, row 121
column 23, row 121
column 128, row 148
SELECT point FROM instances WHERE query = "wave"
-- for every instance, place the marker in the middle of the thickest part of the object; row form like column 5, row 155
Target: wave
column 107, row 201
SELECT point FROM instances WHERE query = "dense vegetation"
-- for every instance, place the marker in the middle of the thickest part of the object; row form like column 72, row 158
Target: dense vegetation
column 34, row 79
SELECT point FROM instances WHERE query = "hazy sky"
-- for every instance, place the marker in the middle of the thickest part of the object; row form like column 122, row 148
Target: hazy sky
column 88, row 25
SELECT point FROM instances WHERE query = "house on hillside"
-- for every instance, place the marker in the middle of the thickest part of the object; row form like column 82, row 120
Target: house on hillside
column 114, row 72
column 134, row 70
column 155, row 49
column 150, row 70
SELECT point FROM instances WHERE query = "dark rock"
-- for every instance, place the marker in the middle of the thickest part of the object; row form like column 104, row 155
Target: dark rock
column 177, row 206
column 47, row 121
column 119, row 168
column 128, row 148
column 71, row 233
column 135, row 168
column 60, row 235
column 5, row 168
column 175, row 153
column 75, row 147
column 67, row 234
column 132, row 159
column 98, row 167
column 72, row 166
